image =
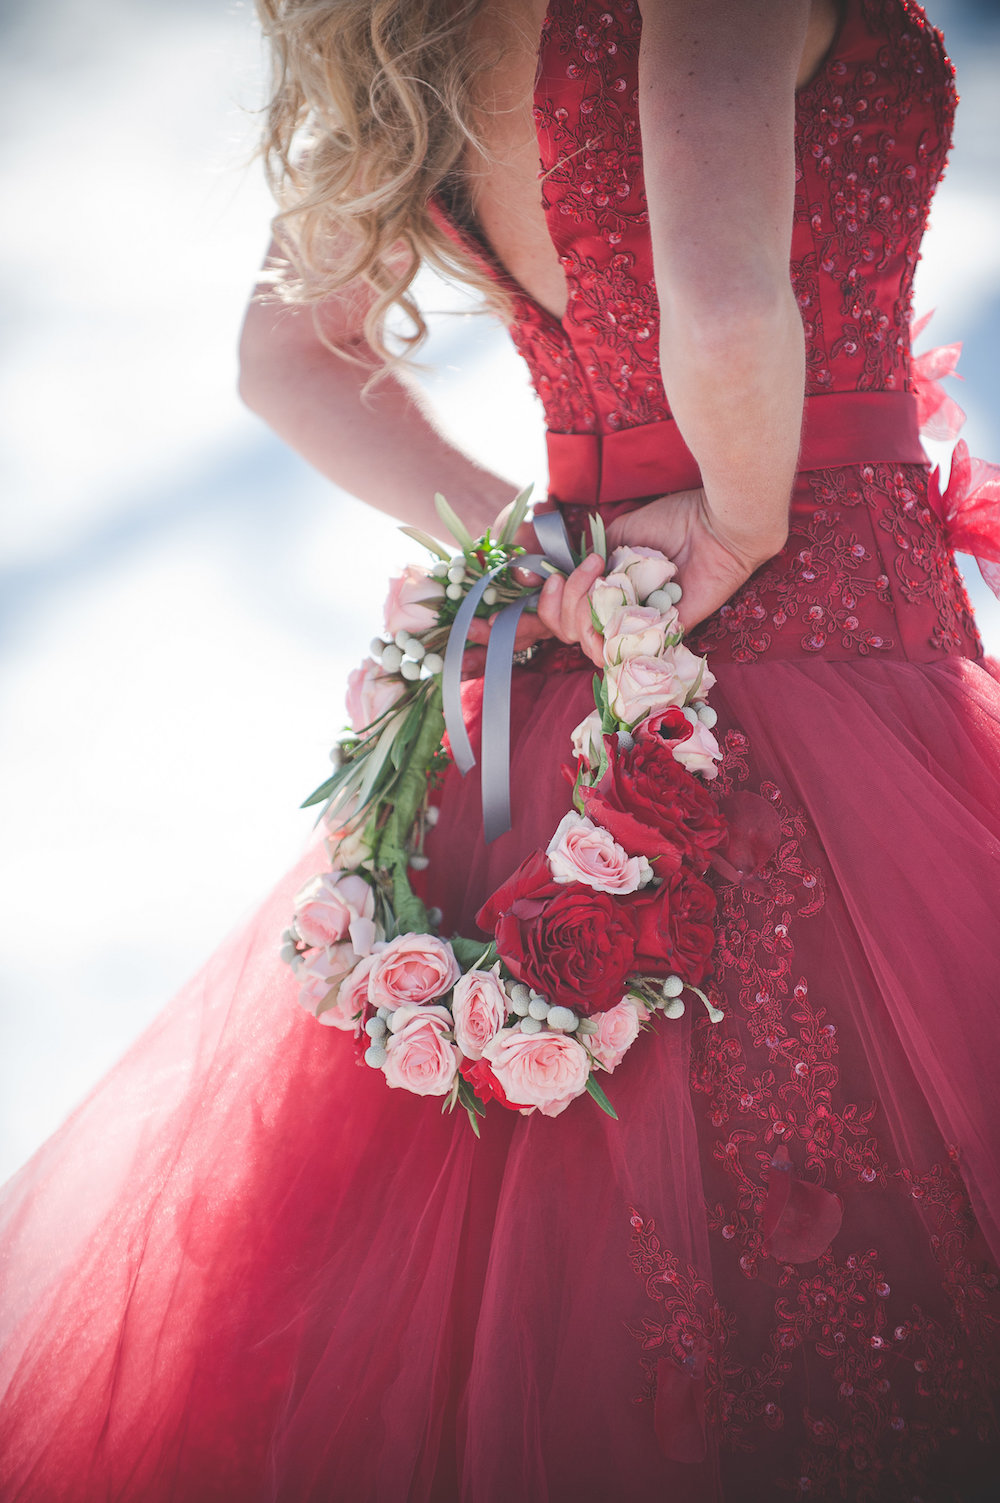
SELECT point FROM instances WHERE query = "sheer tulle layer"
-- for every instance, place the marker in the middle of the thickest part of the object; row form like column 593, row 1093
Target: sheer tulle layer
column 246, row 1270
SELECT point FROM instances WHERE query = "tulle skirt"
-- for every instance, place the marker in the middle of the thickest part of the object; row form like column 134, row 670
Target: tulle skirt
column 247, row 1270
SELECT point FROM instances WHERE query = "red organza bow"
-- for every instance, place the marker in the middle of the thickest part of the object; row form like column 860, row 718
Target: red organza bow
column 970, row 506
column 970, row 510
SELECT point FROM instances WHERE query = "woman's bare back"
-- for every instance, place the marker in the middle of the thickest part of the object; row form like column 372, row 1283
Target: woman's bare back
column 503, row 187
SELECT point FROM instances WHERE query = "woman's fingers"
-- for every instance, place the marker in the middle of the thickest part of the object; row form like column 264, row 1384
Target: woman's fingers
column 563, row 612
column 564, row 606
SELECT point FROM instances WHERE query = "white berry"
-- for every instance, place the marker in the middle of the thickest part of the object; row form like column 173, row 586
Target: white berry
column 489, row 595
column 674, row 1008
column 376, row 647
column 392, row 657
column 409, row 669
column 538, row 1008
column 563, row 1019
column 707, row 716
column 530, row 1025
column 433, row 662
column 375, row 1056
column 456, row 573
column 454, row 592
column 672, row 986
column 419, row 861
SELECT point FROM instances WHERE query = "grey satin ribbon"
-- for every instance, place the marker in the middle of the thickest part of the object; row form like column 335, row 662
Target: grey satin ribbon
column 550, row 531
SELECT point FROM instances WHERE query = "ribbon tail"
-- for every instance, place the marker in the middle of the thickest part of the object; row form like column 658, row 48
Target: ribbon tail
column 550, row 529
column 451, row 674
column 495, row 752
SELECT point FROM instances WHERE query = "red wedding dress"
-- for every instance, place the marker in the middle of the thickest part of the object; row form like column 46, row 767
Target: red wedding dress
column 245, row 1270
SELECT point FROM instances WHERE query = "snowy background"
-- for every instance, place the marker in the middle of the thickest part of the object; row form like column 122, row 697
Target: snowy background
column 180, row 598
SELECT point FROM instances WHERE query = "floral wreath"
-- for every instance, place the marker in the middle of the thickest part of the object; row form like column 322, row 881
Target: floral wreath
column 595, row 935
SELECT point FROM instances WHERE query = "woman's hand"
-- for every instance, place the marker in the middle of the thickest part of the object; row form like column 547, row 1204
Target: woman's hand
column 711, row 564
column 563, row 606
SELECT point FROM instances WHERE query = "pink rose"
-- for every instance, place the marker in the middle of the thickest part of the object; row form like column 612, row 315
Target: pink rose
column 581, row 851
column 700, row 752
column 352, row 997
column 346, row 843
column 691, row 670
column 370, row 693
column 333, row 906
column 647, row 569
column 635, row 631
column 639, row 687
column 319, row 973
column 618, row 1029
column 479, row 1006
column 587, row 739
column 412, row 602
column 419, row 1056
column 543, row 1070
column 609, row 593
column 411, row 969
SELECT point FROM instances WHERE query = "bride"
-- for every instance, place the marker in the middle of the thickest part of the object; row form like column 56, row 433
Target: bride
column 247, row 1270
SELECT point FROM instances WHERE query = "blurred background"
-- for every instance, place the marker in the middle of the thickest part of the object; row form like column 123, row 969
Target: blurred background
column 180, row 598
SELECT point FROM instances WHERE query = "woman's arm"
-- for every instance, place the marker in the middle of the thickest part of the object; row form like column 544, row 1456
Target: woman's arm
column 717, row 112
column 383, row 447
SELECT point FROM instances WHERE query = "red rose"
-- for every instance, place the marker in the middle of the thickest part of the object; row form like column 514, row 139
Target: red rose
column 574, row 945
column 484, row 1083
column 675, row 928
column 651, row 804
column 692, row 929
column 676, row 932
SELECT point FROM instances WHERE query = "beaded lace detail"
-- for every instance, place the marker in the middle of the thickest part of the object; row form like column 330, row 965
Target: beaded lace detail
column 867, row 569
column 891, row 1378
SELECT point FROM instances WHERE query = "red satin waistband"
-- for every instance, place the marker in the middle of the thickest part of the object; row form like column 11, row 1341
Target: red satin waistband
column 839, row 428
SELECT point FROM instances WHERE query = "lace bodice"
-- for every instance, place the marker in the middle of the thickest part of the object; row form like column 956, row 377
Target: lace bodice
column 873, row 133
column 868, row 567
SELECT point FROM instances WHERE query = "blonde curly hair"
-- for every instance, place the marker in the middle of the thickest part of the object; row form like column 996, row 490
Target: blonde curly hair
column 371, row 110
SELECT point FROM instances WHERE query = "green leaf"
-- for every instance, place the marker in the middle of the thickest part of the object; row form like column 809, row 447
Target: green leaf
column 599, row 538
column 517, row 514
column 411, row 914
column 404, row 741
column 339, row 785
column 468, row 1097
column 426, row 541
column 454, row 524
column 595, row 1090
column 471, row 952
column 376, row 759
column 697, row 684
column 322, row 792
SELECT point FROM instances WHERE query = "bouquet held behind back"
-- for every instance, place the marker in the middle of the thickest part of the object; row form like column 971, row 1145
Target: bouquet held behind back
column 595, row 936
